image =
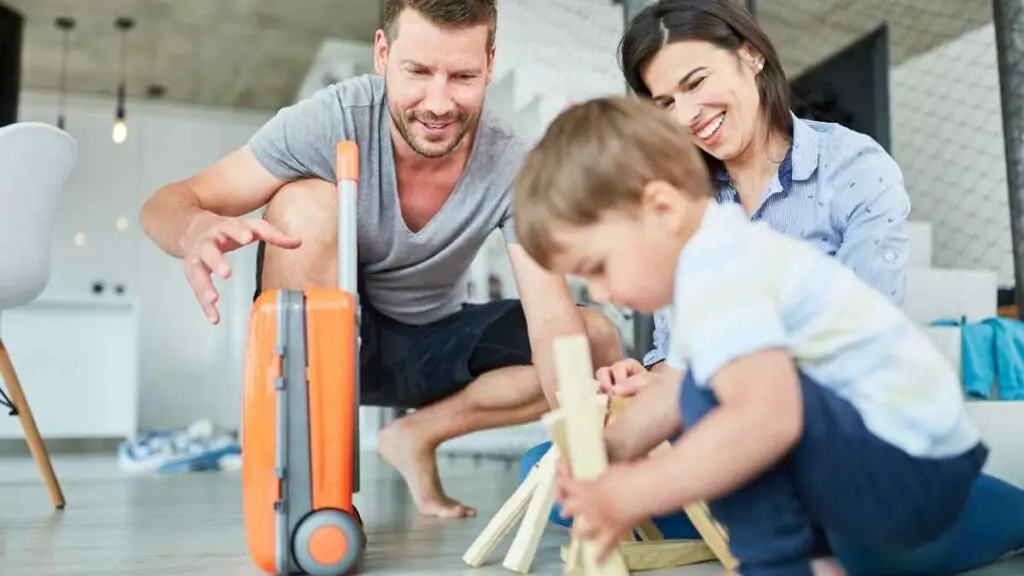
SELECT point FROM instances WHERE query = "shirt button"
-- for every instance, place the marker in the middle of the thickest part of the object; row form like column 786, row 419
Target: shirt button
column 890, row 256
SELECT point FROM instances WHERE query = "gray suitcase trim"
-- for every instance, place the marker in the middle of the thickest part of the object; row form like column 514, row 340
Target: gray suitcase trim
column 293, row 464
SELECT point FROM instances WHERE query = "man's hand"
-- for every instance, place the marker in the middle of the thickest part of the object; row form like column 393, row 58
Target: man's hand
column 606, row 512
column 209, row 238
column 623, row 378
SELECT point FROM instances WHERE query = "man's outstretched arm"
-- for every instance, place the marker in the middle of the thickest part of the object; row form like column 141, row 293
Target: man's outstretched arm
column 550, row 312
column 234, row 186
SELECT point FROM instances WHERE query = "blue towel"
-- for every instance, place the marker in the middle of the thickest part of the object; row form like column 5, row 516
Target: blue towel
column 992, row 351
column 978, row 363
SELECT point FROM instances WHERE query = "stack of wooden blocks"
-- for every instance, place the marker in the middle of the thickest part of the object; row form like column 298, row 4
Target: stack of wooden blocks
column 576, row 431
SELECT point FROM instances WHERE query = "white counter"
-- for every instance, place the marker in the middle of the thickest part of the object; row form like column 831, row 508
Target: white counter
column 77, row 359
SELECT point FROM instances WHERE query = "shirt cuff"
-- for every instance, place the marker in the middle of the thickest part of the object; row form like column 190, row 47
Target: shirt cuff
column 653, row 357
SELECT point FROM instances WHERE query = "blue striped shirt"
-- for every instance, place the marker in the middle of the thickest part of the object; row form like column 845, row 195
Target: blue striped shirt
column 840, row 191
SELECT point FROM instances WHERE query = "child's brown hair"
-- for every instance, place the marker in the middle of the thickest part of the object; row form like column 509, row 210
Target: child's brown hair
column 596, row 156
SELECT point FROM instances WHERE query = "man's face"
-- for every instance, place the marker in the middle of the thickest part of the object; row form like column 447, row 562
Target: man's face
column 436, row 79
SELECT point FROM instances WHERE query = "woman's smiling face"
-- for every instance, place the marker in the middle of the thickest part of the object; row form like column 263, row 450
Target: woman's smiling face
column 711, row 91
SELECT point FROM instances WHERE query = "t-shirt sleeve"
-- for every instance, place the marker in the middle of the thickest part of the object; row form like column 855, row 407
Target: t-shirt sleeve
column 723, row 313
column 300, row 139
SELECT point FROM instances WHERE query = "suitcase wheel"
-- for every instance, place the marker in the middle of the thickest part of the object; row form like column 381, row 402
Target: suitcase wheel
column 328, row 543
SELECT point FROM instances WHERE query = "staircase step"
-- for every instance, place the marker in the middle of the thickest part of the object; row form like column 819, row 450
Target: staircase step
column 950, row 294
column 920, row 244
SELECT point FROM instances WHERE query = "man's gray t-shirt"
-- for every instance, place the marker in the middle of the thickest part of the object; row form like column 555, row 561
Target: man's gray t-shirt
column 413, row 277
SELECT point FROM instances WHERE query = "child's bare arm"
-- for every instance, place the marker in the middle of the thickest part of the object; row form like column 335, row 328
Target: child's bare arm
column 651, row 418
column 760, row 418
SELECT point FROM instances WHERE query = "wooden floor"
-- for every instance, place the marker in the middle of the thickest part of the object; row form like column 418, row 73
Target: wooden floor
column 117, row 524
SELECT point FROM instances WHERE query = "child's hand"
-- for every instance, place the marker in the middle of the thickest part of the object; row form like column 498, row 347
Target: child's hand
column 623, row 378
column 614, row 378
column 603, row 505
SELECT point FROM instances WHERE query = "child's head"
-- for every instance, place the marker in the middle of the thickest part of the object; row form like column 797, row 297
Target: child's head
column 610, row 194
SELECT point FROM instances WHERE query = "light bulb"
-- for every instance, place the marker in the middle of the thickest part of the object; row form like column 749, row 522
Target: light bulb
column 122, row 224
column 80, row 239
column 120, row 132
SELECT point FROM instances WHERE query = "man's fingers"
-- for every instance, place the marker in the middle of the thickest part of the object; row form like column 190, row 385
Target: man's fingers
column 238, row 231
column 202, row 286
column 272, row 235
column 210, row 255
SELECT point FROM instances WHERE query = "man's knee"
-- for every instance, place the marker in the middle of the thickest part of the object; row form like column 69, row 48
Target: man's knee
column 605, row 341
column 303, row 208
column 307, row 210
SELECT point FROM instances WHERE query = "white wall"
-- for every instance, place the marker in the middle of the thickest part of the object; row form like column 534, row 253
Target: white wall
column 948, row 137
column 189, row 369
column 336, row 60
column 562, row 50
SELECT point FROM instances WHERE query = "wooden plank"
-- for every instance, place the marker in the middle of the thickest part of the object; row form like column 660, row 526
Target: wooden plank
column 713, row 534
column 523, row 550
column 584, row 436
column 642, row 556
column 506, row 517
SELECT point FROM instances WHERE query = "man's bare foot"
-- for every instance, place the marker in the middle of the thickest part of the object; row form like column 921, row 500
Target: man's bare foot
column 417, row 464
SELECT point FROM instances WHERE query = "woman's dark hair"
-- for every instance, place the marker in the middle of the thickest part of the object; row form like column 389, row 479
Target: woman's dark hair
column 725, row 24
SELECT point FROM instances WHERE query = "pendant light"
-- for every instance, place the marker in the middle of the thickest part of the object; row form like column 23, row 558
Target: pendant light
column 65, row 25
column 120, row 131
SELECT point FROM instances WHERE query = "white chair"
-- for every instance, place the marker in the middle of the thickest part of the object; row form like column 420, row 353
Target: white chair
column 36, row 160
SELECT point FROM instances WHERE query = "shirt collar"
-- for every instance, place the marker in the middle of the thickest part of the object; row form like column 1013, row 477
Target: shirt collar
column 800, row 162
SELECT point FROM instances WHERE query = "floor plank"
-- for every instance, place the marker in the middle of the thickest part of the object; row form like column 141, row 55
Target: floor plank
column 192, row 524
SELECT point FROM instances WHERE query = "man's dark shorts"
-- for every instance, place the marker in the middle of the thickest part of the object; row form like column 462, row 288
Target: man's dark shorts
column 407, row 366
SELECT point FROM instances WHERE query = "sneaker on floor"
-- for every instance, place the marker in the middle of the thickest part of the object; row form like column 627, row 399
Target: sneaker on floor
column 199, row 447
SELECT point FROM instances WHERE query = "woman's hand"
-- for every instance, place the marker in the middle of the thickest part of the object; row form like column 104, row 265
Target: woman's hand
column 623, row 378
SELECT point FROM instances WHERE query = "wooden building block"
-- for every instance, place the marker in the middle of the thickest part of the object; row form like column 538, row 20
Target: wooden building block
column 576, row 432
column 713, row 534
column 642, row 556
column 507, row 516
column 584, row 427
column 521, row 553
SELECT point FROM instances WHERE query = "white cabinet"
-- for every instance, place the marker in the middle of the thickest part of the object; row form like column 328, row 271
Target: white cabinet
column 77, row 360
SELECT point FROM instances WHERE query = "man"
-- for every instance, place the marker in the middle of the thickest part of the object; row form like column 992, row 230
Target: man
column 436, row 175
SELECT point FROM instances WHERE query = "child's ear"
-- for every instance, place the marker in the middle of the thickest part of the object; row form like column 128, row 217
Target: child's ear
column 663, row 206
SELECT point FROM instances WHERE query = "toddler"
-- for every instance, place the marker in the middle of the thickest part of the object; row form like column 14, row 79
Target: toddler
column 811, row 404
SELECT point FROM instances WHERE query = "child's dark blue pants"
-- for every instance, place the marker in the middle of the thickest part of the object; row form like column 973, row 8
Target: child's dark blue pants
column 839, row 479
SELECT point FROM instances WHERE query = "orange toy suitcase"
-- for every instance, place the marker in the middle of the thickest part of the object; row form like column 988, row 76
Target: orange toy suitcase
column 300, row 421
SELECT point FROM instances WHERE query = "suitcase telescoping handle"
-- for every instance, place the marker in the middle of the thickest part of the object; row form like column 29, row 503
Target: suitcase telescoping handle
column 347, row 169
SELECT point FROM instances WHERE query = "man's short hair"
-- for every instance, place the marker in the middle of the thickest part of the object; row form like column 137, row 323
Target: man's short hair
column 444, row 13
column 597, row 156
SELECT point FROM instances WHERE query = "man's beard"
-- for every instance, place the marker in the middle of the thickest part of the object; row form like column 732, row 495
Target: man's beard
column 404, row 121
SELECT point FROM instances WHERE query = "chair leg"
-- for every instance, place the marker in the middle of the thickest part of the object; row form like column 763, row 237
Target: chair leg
column 35, row 441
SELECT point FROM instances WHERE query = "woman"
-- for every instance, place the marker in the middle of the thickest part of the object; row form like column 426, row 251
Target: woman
column 715, row 71
column 709, row 65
